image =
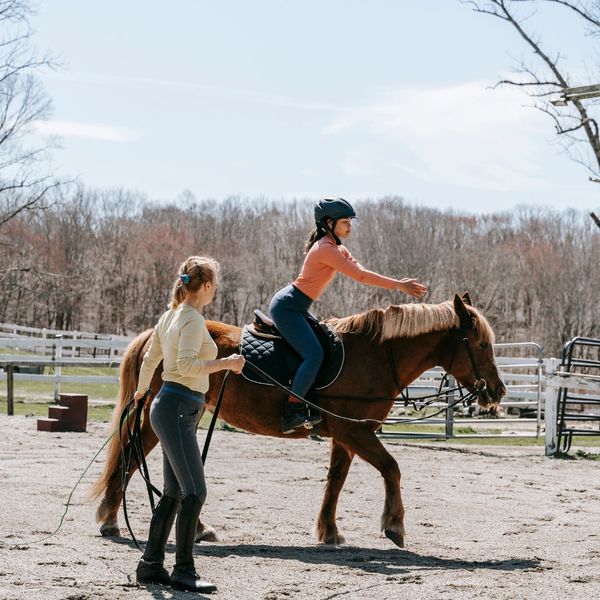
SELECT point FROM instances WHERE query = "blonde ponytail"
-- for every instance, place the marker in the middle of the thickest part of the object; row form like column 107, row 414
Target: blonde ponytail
column 193, row 273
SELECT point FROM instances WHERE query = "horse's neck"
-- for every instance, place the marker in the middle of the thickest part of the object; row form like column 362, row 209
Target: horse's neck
column 413, row 356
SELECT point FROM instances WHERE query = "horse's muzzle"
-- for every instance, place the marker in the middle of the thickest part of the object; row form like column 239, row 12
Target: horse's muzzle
column 492, row 397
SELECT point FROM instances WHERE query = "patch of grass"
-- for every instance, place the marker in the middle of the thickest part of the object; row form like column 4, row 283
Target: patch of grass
column 582, row 454
column 465, row 430
column 102, row 413
column 43, row 391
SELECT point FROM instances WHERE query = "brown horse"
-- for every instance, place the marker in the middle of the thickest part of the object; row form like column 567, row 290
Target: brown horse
column 385, row 349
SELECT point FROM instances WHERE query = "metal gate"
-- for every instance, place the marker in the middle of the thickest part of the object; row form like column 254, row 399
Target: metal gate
column 578, row 410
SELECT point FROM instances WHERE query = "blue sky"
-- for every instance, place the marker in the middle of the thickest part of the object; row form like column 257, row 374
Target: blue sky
column 284, row 99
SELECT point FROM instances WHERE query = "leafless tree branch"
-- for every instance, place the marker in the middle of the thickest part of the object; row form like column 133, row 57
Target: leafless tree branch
column 542, row 89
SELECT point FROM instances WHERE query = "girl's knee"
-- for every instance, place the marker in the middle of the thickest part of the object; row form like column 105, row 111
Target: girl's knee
column 197, row 488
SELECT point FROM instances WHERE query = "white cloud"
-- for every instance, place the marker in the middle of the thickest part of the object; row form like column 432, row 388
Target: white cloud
column 88, row 131
column 247, row 96
column 466, row 134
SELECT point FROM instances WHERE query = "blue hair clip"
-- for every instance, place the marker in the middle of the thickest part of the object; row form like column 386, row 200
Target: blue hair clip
column 185, row 278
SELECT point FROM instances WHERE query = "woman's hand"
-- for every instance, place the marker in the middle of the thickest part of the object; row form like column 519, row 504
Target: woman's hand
column 412, row 287
column 137, row 397
column 235, row 363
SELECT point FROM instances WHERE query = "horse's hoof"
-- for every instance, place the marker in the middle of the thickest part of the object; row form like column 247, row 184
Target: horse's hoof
column 396, row 537
column 110, row 531
column 336, row 540
column 208, row 534
column 333, row 539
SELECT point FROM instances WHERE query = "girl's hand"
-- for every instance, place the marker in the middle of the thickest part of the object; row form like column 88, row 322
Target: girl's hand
column 412, row 287
column 235, row 363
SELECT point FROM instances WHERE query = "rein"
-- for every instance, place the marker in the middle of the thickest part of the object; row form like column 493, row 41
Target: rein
column 136, row 451
column 465, row 399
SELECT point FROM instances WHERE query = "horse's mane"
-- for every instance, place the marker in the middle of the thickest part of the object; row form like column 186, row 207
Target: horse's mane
column 410, row 320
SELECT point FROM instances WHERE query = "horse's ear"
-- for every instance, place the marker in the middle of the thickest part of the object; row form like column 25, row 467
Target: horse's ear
column 465, row 317
column 467, row 299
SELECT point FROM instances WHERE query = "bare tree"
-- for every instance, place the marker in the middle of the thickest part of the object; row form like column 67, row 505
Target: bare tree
column 574, row 123
column 24, row 177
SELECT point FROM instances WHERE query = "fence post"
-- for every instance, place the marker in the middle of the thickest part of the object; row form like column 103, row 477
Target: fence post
column 57, row 370
column 551, row 409
column 450, row 410
column 10, row 389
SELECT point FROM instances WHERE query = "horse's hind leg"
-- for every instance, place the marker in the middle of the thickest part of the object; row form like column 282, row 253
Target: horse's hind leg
column 366, row 444
column 327, row 531
column 106, row 514
column 205, row 533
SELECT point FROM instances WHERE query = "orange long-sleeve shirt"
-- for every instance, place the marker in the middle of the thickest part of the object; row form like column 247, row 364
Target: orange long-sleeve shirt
column 324, row 260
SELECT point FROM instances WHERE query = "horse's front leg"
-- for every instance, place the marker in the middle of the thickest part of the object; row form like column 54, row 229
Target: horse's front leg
column 327, row 531
column 366, row 444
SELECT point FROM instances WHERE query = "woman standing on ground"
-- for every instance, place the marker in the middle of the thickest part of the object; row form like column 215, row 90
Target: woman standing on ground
column 182, row 342
column 325, row 256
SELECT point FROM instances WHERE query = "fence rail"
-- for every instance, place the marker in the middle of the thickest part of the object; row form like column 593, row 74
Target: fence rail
column 522, row 365
column 524, row 389
column 524, row 394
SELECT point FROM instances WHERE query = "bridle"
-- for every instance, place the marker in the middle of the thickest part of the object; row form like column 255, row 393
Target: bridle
column 479, row 385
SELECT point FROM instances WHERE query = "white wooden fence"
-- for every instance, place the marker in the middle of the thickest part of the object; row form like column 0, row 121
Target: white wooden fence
column 36, row 350
column 532, row 381
column 524, row 379
column 50, row 348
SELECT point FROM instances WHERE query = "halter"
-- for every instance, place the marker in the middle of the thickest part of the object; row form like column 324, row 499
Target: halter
column 479, row 385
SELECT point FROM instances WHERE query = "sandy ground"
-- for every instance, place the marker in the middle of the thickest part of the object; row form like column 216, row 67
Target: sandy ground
column 483, row 522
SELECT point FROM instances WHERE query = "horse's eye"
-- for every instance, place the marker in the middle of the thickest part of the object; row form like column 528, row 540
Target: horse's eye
column 483, row 345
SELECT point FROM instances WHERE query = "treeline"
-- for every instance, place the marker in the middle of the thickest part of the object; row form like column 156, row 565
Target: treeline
column 105, row 261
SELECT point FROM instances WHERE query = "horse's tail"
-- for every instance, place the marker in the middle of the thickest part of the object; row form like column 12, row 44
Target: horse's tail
column 128, row 379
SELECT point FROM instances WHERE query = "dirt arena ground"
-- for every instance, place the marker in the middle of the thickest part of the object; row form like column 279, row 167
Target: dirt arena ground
column 483, row 522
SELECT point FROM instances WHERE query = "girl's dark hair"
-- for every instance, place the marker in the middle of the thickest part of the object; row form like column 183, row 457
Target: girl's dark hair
column 320, row 231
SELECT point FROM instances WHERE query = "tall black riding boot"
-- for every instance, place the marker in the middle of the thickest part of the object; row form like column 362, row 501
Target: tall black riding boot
column 150, row 568
column 184, row 576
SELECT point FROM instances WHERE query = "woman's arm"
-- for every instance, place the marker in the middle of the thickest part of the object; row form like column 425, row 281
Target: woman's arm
column 152, row 357
column 341, row 260
column 189, row 365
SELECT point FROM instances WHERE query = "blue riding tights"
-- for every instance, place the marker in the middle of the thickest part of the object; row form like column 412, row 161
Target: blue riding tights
column 174, row 415
column 289, row 311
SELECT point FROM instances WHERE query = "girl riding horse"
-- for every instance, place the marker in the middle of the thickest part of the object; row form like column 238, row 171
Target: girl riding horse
column 289, row 308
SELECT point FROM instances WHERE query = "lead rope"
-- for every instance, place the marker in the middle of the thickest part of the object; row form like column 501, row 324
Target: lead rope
column 332, row 414
column 136, row 450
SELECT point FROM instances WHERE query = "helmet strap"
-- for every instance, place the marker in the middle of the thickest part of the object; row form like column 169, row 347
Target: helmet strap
column 330, row 230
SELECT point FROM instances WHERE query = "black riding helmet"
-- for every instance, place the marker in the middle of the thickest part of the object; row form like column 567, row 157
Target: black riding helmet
column 333, row 208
